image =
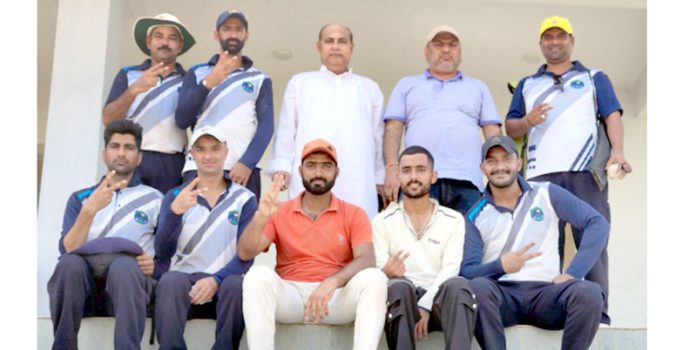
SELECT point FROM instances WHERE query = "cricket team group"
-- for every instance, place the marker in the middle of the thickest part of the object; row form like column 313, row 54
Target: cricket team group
column 399, row 242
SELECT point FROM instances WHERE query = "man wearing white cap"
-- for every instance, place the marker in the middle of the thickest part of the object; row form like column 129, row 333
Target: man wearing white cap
column 443, row 111
column 558, row 107
column 201, row 222
column 147, row 94
column 231, row 94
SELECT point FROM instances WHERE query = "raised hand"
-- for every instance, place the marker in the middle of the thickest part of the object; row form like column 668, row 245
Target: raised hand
column 187, row 198
column 538, row 114
column 224, row 66
column 513, row 261
column 395, row 266
column 285, row 176
column 268, row 205
column 150, row 78
column 102, row 195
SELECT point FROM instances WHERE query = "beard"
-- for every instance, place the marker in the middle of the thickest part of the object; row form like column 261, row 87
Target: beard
column 316, row 188
column 233, row 46
column 504, row 183
column 419, row 193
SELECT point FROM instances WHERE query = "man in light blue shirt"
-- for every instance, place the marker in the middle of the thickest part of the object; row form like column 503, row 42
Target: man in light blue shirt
column 442, row 110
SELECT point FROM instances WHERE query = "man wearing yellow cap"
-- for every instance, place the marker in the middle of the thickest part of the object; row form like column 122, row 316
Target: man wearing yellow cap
column 558, row 107
column 148, row 93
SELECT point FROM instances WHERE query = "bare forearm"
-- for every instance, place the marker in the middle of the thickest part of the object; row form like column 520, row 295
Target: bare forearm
column 117, row 109
column 490, row 130
column 78, row 233
column 251, row 242
column 344, row 275
column 392, row 140
column 516, row 127
column 615, row 132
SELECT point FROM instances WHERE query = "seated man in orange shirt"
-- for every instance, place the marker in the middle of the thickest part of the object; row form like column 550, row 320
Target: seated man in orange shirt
column 325, row 271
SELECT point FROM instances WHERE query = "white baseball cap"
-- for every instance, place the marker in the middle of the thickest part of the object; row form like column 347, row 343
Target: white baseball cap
column 208, row 130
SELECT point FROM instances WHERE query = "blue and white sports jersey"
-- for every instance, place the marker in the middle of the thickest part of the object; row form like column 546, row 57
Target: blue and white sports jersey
column 204, row 239
column 154, row 109
column 232, row 107
column 489, row 226
column 566, row 140
column 132, row 214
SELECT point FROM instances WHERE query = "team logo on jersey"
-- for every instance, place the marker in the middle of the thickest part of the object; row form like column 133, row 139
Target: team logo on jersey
column 537, row 214
column 577, row 84
column 233, row 217
column 248, row 87
column 141, row 217
column 341, row 238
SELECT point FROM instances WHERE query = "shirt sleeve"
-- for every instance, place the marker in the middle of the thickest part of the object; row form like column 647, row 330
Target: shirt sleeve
column 237, row 266
column 169, row 227
column 489, row 113
column 378, row 132
column 582, row 216
column 284, row 146
column 118, row 87
column 517, row 107
column 360, row 228
column 607, row 102
column 72, row 210
column 381, row 241
column 473, row 254
column 264, row 131
column 396, row 107
column 451, row 261
column 191, row 99
column 270, row 230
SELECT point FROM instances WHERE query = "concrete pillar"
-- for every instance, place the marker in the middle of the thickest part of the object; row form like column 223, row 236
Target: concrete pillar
column 88, row 37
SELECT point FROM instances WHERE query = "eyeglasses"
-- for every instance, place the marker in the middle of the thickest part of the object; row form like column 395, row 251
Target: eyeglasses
column 558, row 82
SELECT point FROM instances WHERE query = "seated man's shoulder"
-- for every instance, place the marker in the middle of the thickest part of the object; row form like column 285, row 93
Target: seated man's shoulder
column 450, row 213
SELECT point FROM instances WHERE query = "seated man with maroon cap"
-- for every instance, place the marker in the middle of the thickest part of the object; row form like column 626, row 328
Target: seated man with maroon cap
column 200, row 224
column 325, row 264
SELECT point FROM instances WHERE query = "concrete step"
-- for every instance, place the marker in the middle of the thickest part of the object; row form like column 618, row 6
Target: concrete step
column 98, row 332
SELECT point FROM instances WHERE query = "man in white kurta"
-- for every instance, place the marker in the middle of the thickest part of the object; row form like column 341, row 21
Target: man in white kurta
column 340, row 107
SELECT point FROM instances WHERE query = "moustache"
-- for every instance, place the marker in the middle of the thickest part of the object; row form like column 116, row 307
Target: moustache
column 318, row 178
column 507, row 172
column 414, row 182
column 233, row 40
column 164, row 47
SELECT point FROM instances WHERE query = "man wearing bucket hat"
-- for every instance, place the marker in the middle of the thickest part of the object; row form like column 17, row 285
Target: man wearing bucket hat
column 229, row 93
column 558, row 107
column 443, row 111
column 201, row 222
column 325, row 267
column 147, row 94
column 106, row 247
column 511, row 256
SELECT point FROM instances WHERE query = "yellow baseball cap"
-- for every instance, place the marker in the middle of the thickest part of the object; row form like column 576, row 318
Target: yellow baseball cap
column 556, row 22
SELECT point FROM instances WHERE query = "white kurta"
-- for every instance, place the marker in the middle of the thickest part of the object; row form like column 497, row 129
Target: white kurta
column 345, row 110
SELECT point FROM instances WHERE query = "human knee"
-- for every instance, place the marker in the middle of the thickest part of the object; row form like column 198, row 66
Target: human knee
column 171, row 282
column 586, row 293
column 258, row 278
column 231, row 286
column 399, row 288
column 71, row 262
column 482, row 288
column 123, row 266
column 371, row 277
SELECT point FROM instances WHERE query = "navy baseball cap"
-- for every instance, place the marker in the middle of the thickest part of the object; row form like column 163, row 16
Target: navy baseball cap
column 499, row 140
column 229, row 14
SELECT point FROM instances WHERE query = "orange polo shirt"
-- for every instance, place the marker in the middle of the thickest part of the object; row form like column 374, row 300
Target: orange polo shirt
column 311, row 251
